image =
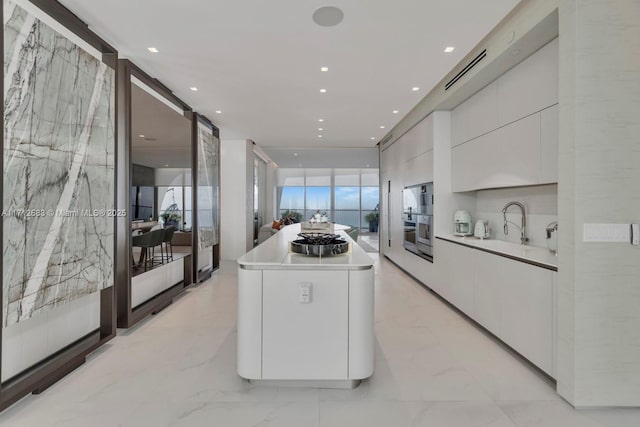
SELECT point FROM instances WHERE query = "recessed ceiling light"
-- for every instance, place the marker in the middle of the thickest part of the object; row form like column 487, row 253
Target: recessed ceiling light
column 325, row 69
column 299, row 165
column 415, row 88
column 381, row 127
column 218, row 112
column 295, row 154
column 141, row 136
column 166, row 166
column 368, row 165
column 319, row 136
column 320, row 129
column 373, row 137
column 193, row 88
column 323, row 91
column 321, row 120
column 449, row 49
column 395, row 111
column 152, row 49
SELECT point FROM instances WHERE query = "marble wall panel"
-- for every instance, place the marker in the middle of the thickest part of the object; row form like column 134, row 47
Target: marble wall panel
column 58, row 169
column 208, row 148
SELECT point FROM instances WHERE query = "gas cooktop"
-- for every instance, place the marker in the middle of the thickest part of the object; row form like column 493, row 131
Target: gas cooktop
column 319, row 244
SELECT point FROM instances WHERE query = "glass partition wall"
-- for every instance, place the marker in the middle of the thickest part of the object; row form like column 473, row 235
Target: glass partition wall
column 155, row 242
column 160, row 181
column 207, row 182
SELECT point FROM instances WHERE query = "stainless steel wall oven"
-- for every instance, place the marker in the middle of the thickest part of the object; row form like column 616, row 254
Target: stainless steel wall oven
column 417, row 206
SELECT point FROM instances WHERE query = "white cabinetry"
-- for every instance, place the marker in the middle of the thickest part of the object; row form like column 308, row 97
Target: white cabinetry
column 315, row 344
column 303, row 317
column 507, row 134
column 391, row 213
column 419, row 169
column 456, row 275
column 512, row 299
column 418, row 139
column 476, row 116
column 524, row 152
column 530, row 86
column 408, row 161
column 549, row 145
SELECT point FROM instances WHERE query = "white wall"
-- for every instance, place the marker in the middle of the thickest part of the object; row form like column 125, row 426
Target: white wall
column 270, row 213
column 236, row 198
column 541, row 208
column 28, row 342
column 599, row 283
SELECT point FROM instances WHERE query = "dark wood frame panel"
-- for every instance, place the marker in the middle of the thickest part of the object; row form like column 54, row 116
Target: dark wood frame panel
column 204, row 275
column 127, row 315
column 40, row 376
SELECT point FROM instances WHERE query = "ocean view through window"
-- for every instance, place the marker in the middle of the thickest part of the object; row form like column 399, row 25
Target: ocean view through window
column 345, row 195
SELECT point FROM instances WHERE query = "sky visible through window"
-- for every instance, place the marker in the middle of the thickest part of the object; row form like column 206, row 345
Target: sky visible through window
column 350, row 202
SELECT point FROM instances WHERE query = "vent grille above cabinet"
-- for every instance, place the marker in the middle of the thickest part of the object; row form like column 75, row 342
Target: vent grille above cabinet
column 466, row 69
column 385, row 141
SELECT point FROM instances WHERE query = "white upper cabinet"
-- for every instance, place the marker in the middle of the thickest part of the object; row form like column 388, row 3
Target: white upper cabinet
column 506, row 135
column 507, row 157
column 419, row 170
column 419, row 139
column 476, row 116
column 530, row 86
column 549, row 145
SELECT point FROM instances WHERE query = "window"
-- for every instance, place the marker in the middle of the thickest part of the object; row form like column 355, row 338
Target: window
column 345, row 195
column 176, row 199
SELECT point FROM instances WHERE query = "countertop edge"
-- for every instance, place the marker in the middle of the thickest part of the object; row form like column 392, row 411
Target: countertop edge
column 502, row 254
column 304, row 267
column 273, row 254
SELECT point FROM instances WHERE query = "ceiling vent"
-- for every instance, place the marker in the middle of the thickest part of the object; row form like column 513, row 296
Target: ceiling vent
column 466, row 69
column 386, row 141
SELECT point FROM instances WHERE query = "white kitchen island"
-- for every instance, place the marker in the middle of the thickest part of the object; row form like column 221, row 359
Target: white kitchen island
column 303, row 319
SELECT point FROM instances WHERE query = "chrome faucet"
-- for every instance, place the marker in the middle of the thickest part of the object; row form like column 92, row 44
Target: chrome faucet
column 523, row 224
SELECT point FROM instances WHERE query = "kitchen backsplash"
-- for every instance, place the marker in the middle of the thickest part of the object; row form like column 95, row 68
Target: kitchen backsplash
column 541, row 206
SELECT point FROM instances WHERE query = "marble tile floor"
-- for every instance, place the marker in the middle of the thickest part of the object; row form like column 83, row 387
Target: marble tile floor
column 433, row 368
column 369, row 241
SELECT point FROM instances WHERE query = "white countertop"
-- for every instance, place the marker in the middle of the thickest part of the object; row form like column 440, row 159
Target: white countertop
column 273, row 253
column 525, row 253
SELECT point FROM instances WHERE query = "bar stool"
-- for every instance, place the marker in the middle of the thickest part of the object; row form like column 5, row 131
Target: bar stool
column 142, row 241
column 156, row 239
column 168, row 236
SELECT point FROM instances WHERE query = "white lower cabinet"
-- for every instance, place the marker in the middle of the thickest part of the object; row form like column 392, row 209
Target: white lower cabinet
column 527, row 313
column 314, row 345
column 513, row 300
column 456, row 275
column 487, row 286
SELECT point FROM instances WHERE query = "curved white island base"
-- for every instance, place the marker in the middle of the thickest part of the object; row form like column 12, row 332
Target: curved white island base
column 326, row 342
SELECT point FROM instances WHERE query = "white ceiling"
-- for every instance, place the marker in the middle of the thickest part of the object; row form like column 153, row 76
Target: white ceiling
column 167, row 134
column 259, row 61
